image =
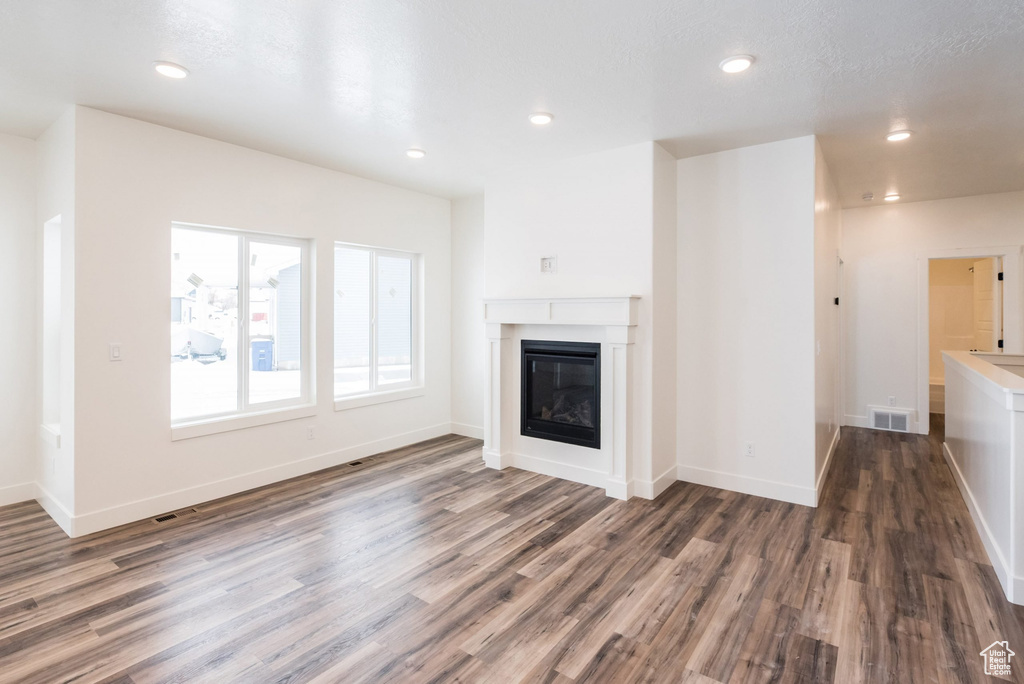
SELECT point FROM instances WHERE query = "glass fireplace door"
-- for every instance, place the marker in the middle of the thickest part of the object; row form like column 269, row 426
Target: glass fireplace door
column 561, row 392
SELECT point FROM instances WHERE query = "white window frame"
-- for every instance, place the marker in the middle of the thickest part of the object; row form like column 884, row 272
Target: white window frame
column 248, row 414
column 377, row 393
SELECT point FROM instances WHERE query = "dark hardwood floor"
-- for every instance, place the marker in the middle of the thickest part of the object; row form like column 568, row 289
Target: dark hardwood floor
column 420, row 565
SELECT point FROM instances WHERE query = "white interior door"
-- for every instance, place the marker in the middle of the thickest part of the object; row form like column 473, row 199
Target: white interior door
column 987, row 319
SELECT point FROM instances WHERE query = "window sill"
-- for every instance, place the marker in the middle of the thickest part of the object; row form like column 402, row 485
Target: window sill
column 50, row 433
column 359, row 400
column 229, row 423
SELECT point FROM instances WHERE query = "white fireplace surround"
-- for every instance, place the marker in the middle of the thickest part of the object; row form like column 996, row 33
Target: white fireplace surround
column 612, row 322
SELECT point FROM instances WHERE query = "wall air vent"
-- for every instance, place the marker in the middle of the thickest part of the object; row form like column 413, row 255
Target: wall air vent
column 893, row 420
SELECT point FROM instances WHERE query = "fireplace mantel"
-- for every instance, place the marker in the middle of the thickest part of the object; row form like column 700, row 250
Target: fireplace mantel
column 612, row 322
column 604, row 311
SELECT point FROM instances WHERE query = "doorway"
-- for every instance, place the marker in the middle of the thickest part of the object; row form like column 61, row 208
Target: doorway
column 965, row 313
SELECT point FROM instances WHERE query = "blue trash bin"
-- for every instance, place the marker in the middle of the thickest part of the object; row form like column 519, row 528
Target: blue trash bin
column 262, row 355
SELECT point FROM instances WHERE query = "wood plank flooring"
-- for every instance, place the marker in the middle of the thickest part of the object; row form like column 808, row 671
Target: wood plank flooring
column 420, row 565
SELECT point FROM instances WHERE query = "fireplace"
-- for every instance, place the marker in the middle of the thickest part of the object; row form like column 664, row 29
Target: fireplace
column 561, row 392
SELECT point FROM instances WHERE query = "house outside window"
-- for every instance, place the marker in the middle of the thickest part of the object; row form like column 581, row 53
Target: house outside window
column 376, row 325
column 240, row 341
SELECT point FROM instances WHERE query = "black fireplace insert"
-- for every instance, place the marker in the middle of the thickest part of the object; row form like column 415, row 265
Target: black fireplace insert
column 561, row 392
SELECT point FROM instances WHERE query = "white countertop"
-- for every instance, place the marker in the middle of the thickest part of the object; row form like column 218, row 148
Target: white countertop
column 981, row 364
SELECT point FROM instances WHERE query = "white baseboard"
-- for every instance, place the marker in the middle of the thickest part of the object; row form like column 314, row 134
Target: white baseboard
column 498, row 461
column 103, row 519
column 55, row 509
column 1013, row 587
column 565, row 471
column 781, row 491
column 856, row 421
column 617, row 489
column 17, row 493
column 820, row 481
column 468, row 430
column 651, row 490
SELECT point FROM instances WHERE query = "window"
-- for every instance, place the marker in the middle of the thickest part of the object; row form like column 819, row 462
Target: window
column 375, row 348
column 240, row 340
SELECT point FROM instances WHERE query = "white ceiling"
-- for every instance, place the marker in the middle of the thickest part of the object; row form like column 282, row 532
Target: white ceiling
column 350, row 84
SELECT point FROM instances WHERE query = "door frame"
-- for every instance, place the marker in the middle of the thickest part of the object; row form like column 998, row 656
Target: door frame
column 1013, row 320
column 840, row 341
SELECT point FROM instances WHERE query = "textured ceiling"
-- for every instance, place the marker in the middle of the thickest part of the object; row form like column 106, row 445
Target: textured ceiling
column 350, row 84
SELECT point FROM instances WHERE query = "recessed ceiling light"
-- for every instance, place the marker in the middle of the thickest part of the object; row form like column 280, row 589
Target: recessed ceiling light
column 541, row 118
column 170, row 70
column 892, row 197
column 734, row 65
column 896, row 136
column 415, row 153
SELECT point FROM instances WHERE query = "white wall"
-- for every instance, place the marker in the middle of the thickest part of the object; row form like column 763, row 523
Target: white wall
column 18, row 312
column 984, row 447
column 133, row 180
column 55, row 199
column 746, row 319
column 468, row 329
column 663, row 319
column 881, row 245
column 593, row 212
column 827, row 240
column 602, row 215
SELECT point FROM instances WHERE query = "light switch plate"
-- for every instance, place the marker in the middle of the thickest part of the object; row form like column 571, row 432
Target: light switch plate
column 115, row 351
column 549, row 264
